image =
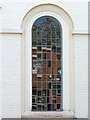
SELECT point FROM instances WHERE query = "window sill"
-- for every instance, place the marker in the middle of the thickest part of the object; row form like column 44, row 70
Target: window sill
column 49, row 114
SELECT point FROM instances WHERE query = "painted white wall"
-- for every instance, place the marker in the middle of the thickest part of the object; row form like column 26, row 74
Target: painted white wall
column 11, row 64
column 0, row 77
column 81, row 75
column 11, row 16
column 13, row 13
column 24, row 1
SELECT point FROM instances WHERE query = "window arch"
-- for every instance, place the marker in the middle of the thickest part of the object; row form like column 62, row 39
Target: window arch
column 46, row 64
column 67, row 27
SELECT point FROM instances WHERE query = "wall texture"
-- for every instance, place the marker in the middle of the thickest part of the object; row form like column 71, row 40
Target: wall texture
column 81, row 75
column 11, row 16
column 0, row 77
column 11, row 46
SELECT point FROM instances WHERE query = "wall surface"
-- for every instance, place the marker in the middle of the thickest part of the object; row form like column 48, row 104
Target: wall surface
column 11, row 17
column 0, row 77
column 12, row 14
column 81, row 75
column 11, row 46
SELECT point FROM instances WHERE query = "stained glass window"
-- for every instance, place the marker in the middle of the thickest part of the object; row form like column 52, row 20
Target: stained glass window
column 46, row 65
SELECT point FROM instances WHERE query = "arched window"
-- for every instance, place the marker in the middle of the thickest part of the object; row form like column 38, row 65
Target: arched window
column 46, row 65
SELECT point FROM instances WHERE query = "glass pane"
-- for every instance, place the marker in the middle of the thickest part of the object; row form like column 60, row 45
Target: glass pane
column 46, row 65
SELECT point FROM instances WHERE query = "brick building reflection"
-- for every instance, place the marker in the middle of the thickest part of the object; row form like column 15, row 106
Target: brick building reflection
column 46, row 64
column 46, row 78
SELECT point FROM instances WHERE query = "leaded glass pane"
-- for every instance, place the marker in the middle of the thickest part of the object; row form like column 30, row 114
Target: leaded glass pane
column 46, row 65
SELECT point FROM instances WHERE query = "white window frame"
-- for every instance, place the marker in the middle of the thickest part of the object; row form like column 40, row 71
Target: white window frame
column 67, row 26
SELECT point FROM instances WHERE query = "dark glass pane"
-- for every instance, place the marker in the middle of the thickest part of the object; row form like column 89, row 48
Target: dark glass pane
column 49, row 63
column 44, row 55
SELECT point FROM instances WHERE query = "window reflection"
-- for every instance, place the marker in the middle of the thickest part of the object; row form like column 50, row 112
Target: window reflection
column 46, row 65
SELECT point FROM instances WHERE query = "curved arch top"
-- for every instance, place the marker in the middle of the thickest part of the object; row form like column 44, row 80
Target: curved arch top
column 47, row 8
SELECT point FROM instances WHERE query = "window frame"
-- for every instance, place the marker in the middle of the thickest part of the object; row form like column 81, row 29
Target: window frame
column 27, row 62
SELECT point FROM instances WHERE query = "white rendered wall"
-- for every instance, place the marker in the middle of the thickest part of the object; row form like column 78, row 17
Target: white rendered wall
column 11, row 19
column 0, row 77
column 81, row 75
column 13, row 13
column 11, row 46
